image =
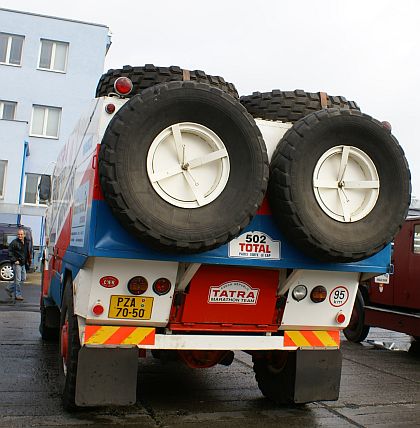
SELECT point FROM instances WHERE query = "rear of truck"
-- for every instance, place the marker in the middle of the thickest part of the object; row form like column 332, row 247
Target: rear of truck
column 165, row 238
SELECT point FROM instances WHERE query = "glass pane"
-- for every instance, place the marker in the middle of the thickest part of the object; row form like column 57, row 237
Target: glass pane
column 46, row 52
column 53, row 121
column 3, row 46
column 38, row 120
column 60, row 56
column 417, row 239
column 31, row 188
column 9, row 110
column 2, row 175
column 16, row 50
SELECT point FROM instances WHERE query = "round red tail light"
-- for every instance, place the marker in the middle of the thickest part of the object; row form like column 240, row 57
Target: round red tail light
column 137, row 285
column 318, row 294
column 123, row 86
column 98, row 309
column 340, row 318
column 110, row 108
column 162, row 286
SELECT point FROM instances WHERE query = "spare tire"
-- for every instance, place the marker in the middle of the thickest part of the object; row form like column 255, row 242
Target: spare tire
column 183, row 166
column 339, row 186
column 290, row 106
column 149, row 75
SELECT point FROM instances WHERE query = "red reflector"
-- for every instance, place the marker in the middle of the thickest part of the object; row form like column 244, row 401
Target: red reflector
column 318, row 294
column 123, row 85
column 98, row 309
column 110, row 108
column 340, row 318
column 137, row 285
column 387, row 125
column 161, row 286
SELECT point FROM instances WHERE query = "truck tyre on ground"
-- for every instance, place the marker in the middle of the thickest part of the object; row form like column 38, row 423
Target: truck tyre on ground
column 357, row 331
column 273, row 374
column 69, row 346
column 183, row 167
column 149, row 75
column 339, row 185
column 48, row 334
column 290, row 106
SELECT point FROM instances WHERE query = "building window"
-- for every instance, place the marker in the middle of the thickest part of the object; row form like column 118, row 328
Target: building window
column 31, row 190
column 7, row 110
column 53, row 55
column 11, row 49
column 45, row 121
column 3, row 168
column 416, row 244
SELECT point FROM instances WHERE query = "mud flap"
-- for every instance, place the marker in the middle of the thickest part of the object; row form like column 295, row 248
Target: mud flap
column 317, row 375
column 106, row 376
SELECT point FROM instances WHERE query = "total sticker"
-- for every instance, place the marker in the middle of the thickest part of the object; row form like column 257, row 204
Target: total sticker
column 255, row 245
column 339, row 296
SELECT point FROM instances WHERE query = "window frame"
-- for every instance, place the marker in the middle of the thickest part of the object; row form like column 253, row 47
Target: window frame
column 37, row 203
column 2, row 102
column 52, row 58
column 45, row 122
column 3, row 190
column 9, row 49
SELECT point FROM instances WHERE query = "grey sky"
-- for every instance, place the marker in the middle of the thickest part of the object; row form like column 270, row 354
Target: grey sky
column 365, row 50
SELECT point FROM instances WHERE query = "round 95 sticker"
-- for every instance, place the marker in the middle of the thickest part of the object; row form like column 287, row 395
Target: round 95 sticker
column 339, row 296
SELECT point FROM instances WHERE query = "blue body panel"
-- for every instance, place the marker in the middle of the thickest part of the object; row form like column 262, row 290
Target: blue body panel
column 109, row 239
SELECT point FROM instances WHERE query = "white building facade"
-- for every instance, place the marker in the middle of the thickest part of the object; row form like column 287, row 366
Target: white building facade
column 49, row 69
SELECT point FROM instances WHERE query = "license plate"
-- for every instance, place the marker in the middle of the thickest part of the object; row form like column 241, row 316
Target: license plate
column 129, row 307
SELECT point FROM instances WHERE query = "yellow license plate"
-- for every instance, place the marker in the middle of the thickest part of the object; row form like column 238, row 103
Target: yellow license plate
column 138, row 307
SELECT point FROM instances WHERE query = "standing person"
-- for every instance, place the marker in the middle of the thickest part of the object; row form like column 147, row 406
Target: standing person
column 20, row 257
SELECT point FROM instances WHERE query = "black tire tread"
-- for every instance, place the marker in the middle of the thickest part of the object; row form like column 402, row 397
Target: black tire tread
column 359, row 332
column 290, row 106
column 149, row 75
column 288, row 214
column 126, row 216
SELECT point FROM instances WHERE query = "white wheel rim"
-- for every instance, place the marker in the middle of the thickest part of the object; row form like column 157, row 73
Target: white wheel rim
column 346, row 183
column 188, row 165
column 7, row 272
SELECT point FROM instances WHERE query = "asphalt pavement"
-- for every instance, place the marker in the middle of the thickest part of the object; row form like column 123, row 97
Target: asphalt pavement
column 380, row 385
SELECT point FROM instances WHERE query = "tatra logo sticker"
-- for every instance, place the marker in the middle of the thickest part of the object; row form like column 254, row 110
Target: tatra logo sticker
column 234, row 292
column 254, row 245
column 109, row 281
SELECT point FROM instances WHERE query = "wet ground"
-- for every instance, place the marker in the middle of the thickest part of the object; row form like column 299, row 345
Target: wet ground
column 380, row 387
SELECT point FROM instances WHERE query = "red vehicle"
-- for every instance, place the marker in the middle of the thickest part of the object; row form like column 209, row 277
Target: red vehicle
column 392, row 300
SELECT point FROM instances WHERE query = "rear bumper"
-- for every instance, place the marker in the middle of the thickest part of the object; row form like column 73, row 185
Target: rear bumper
column 147, row 338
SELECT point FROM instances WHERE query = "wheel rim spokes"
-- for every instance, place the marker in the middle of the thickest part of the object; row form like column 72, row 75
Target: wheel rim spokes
column 346, row 183
column 188, row 165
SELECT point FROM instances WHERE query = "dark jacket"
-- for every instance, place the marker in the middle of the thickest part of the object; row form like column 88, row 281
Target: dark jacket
column 20, row 251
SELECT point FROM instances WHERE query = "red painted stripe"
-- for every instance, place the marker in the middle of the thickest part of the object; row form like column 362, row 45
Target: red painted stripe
column 121, row 334
column 90, row 330
column 335, row 336
column 312, row 339
column 149, row 339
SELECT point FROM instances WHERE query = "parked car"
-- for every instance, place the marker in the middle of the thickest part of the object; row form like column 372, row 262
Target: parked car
column 7, row 235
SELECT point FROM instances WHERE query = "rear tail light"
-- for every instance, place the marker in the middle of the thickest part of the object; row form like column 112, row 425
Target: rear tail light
column 123, row 86
column 98, row 309
column 299, row 292
column 110, row 108
column 137, row 285
column 318, row 294
column 161, row 286
column 340, row 318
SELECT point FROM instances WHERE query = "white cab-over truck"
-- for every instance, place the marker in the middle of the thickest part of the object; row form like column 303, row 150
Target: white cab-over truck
column 185, row 221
